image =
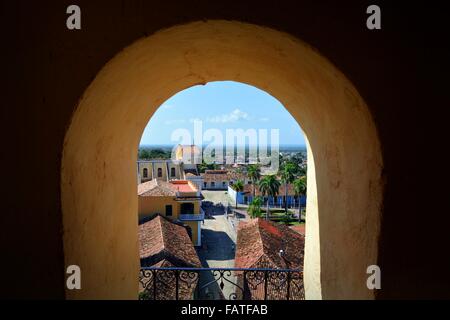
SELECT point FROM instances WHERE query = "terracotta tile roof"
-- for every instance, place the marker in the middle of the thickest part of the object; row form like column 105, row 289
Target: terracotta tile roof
column 215, row 175
column 299, row 228
column 161, row 239
column 258, row 246
column 259, row 243
column 157, row 187
column 236, row 175
column 182, row 186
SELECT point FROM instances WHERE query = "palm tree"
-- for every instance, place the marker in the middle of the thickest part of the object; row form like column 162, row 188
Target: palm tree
column 254, row 173
column 238, row 186
column 254, row 209
column 300, row 190
column 269, row 185
column 287, row 176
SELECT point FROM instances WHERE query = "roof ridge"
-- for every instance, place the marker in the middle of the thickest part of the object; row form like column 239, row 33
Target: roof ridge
column 264, row 249
column 260, row 241
column 162, row 233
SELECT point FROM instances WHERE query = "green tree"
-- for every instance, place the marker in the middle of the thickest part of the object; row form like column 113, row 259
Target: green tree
column 149, row 153
column 288, row 175
column 207, row 166
column 159, row 154
column 254, row 174
column 269, row 186
column 254, row 209
column 238, row 186
column 144, row 154
column 297, row 159
column 300, row 190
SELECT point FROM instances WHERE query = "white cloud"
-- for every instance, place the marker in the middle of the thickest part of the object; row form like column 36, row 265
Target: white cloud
column 167, row 106
column 234, row 116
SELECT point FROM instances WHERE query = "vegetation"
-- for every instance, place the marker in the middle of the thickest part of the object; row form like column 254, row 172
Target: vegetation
column 281, row 217
column 300, row 190
column 297, row 160
column 207, row 166
column 287, row 176
column 269, row 186
column 279, row 212
column 254, row 174
column 238, row 186
column 254, row 209
column 157, row 153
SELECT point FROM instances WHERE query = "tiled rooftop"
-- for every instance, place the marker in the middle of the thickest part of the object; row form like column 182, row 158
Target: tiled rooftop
column 214, row 177
column 299, row 228
column 157, row 187
column 259, row 243
column 163, row 243
column 160, row 239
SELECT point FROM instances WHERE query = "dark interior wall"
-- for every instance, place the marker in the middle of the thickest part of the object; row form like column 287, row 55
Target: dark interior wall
column 46, row 68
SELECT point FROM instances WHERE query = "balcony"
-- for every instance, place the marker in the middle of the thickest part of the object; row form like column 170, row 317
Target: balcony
column 192, row 217
column 220, row 284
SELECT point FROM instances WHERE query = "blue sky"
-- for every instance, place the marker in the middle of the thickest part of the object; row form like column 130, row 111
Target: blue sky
column 221, row 105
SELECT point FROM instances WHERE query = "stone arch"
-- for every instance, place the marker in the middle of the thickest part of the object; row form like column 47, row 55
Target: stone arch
column 98, row 181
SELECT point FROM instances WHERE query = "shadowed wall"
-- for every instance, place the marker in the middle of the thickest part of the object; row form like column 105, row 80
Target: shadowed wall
column 47, row 68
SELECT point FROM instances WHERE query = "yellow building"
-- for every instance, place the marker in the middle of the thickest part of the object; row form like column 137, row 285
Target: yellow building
column 159, row 169
column 182, row 166
column 189, row 154
column 179, row 200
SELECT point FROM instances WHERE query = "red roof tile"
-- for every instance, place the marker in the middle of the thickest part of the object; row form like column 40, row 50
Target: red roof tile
column 258, row 246
column 299, row 228
column 161, row 239
column 215, row 175
column 259, row 243
column 157, row 188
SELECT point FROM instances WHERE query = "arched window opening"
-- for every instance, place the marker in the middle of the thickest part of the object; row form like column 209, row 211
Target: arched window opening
column 343, row 207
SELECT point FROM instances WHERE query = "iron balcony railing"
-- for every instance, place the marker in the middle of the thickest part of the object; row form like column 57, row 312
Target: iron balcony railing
column 220, row 283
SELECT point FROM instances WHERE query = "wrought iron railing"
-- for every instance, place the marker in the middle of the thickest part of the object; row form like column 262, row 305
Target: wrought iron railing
column 220, row 283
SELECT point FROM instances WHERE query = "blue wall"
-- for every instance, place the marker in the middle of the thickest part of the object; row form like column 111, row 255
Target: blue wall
column 278, row 200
